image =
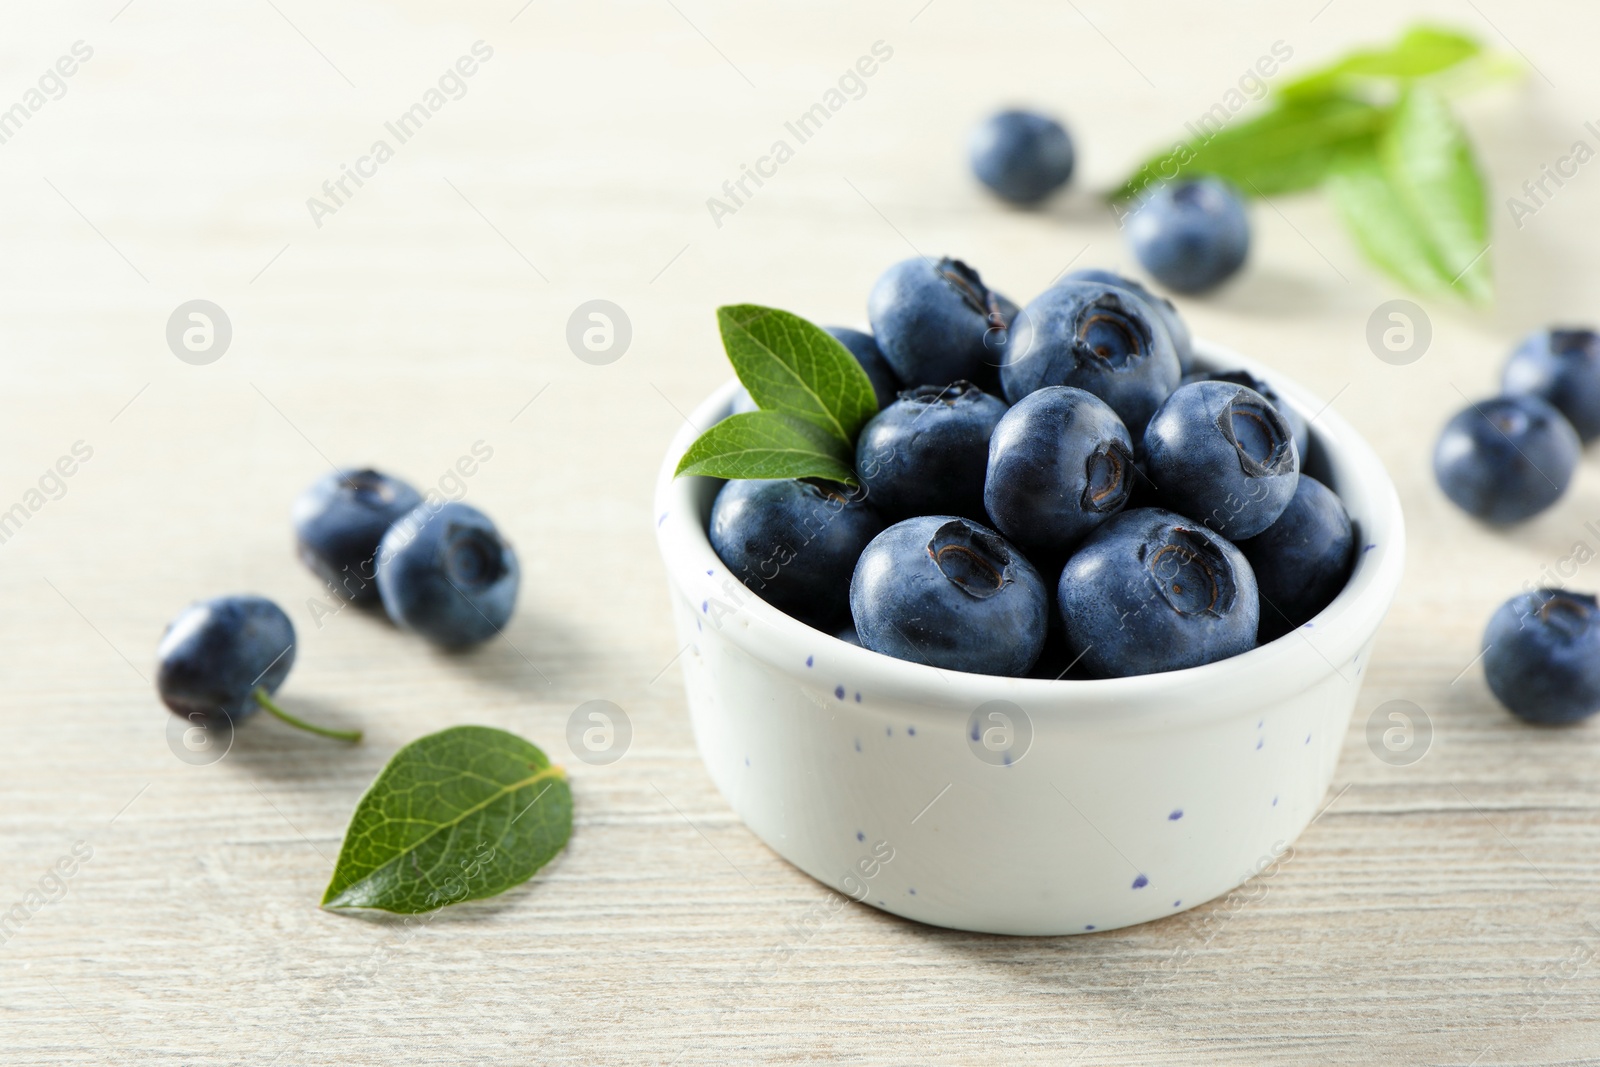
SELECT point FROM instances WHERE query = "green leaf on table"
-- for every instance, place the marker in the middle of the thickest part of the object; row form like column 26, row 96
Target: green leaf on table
column 1427, row 159
column 1422, row 50
column 1382, row 226
column 1286, row 149
column 462, row 814
column 793, row 367
column 768, row 444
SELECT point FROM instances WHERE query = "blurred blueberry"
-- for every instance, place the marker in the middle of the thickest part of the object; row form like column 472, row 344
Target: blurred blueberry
column 926, row 453
column 216, row 652
column 949, row 593
column 446, row 573
column 1542, row 656
column 936, row 323
column 1190, row 235
column 1302, row 560
column 1506, row 459
column 338, row 522
column 794, row 543
column 1022, row 156
column 1561, row 366
column 1150, row 591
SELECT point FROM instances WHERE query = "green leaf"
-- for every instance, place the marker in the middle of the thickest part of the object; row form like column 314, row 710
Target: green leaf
column 1421, row 51
column 1286, row 149
column 1383, row 227
column 767, row 444
column 458, row 815
column 795, row 368
column 1429, row 163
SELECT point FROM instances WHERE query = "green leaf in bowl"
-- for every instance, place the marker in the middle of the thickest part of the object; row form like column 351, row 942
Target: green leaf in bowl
column 793, row 367
column 462, row 814
column 767, row 444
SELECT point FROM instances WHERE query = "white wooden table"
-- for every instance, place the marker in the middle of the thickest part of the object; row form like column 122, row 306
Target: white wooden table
column 1442, row 912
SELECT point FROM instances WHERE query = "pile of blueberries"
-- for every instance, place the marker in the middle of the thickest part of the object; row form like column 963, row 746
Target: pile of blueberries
column 1504, row 460
column 439, row 568
column 1047, row 491
column 1191, row 235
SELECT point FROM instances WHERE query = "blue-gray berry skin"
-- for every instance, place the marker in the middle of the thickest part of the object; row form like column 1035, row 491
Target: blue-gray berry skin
column 1561, row 366
column 1302, row 560
column 339, row 521
column 1299, row 429
column 936, row 322
column 1022, row 156
column 1542, row 656
column 1177, row 329
column 1506, row 459
column 216, row 652
column 1060, row 464
column 950, row 593
column 444, row 572
column 885, row 384
column 1097, row 337
column 794, row 543
column 1222, row 455
column 926, row 453
column 1151, row 591
column 1190, row 235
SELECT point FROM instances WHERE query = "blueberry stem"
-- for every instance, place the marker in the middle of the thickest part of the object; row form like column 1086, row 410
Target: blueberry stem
column 300, row 724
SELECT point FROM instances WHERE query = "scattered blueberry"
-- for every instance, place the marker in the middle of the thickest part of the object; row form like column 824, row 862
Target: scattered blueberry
column 1151, row 591
column 1302, row 560
column 1022, row 156
column 1506, row 459
column 1299, row 429
column 339, row 521
column 794, row 543
column 1561, row 366
column 937, row 323
column 951, row 593
column 1098, row 337
column 1542, row 656
column 446, row 573
column 885, row 384
column 1191, row 235
column 1060, row 464
column 926, row 453
column 1177, row 329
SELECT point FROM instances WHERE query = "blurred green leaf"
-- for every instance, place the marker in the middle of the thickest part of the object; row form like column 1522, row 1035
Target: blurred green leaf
column 1381, row 225
column 1422, row 50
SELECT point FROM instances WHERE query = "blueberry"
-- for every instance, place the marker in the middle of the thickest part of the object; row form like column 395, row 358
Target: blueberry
column 445, row 572
column 1151, row 591
column 926, row 453
column 1221, row 454
column 861, row 345
column 794, row 543
column 1562, row 367
column 937, row 323
column 1506, row 459
column 217, row 652
column 1097, row 337
column 1302, row 560
column 950, row 593
column 1177, row 329
column 1060, row 464
column 1299, row 429
column 338, row 522
column 1542, row 656
column 1191, row 235
column 1021, row 156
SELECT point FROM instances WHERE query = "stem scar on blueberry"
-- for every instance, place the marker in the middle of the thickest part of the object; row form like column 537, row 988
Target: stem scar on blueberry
column 1107, row 485
column 964, row 280
column 974, row 560
column 1108, row 334
column 1259, row 434
column 1191, row 575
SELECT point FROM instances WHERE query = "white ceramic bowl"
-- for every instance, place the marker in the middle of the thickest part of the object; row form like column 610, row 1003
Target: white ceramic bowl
column 1085, row 805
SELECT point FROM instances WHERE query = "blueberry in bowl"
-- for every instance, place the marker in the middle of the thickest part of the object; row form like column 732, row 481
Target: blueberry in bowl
column 1541, row 656
column 1302, row 560
column 1177, row 329
column 1299, row 428
column 1222, row 455
column 338, row 522
column 445, row 573
column 926, row 454
column 936, row 322
column 1021, row 156
column 1506, row 459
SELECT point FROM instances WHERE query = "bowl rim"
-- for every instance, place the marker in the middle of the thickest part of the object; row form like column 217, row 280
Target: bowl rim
column 1292, row 663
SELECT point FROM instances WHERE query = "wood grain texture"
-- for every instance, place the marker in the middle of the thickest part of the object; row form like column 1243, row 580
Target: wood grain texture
column 1438, row 913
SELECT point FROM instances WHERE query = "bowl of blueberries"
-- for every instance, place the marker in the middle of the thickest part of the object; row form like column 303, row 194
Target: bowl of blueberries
column 1078, row 646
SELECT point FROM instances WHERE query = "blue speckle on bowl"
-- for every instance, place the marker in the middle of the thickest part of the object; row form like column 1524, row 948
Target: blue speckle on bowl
column 882, row 904
column 747, row 761
column 1308, row 739
column 1006, row 758
column 860, row 836
column 1274, row 801
column 662, row 519
column 1259, row 743
column 697, row 625
column 1261, row 723
column 911, row 730
column 1175, row 903
column 705, row 606
column 1090, row 926
column 913, row 892
column 811, row 660
column 888, row 731
column 858, row 744
column 1140, row 882
column 1368, row 548
column 1177, row 813
column 710, row 572
column 839, row 692
column 858, row 698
